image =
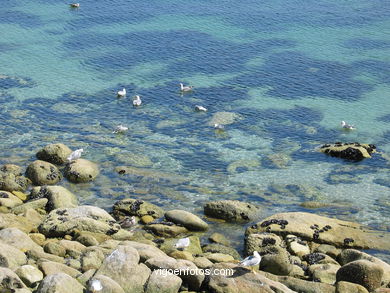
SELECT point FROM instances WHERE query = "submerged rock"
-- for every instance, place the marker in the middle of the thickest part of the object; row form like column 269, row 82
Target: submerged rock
column 81, row 171
column 323, row 230
column 54, row 153
column 43, row 173
column 351, row 151
column 231, row 210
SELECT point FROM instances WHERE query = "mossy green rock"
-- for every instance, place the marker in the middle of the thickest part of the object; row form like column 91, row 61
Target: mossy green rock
column 136, row 207
column 54, row 153
column 43, row 173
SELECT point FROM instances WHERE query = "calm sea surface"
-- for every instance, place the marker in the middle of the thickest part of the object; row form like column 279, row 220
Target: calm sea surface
column 283, row 74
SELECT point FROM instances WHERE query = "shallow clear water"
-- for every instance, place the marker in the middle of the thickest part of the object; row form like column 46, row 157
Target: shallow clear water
column 289, row 70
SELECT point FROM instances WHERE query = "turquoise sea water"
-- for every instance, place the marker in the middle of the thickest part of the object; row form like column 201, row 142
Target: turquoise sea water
column 290, row 71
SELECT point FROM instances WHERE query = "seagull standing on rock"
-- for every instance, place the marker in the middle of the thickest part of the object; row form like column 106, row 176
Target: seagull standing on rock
column 96, row 286
column 182, row 243
column 347, row 126
column 251, row 261
column 75, row 155
column 121, row 93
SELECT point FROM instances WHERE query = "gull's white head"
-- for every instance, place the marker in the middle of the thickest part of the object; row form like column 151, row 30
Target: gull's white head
column 96, row 286
column 343, row 123
column 256, row 254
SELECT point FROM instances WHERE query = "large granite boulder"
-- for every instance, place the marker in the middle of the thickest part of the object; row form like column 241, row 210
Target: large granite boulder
column 56, row 153
column 81, row 171
column 43, row 173
column 58, row 197
column 11, row 179
column 351, row 151
column 321, row 229
column 136, row 207
column 231, row 210
column 187, row 219
column 60, row 222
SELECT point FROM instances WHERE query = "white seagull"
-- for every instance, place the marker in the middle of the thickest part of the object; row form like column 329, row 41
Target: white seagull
column 219, row 126
column 121, row 93
column 346, row 125
column 120, row 129
column 96, row 286
column 251, row 261
column 187, row 88
column 75, row 155
column 74, row 5
column 200, row 108
column 182, row 243
column 137, row 101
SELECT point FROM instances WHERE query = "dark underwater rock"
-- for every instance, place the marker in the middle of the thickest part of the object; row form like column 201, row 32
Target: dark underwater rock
column 350, row 151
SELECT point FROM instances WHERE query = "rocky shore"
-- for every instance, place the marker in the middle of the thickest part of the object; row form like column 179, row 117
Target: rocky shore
column 49, row 243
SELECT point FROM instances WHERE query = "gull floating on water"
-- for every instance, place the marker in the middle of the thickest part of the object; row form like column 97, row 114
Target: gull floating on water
column 200, row 108
column 251, row 261
column 74, row 5
column 219, row 126
column 75, row 155
column 182, row 243
column 346, row 125
column 137, row 101
column 121, row 93
column 120, row 129
column 96, row 286
column 187, row 88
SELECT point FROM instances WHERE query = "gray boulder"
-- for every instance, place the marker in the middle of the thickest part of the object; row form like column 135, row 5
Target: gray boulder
column 30, row 275
column 136, row 207
column 9, row 280
column 362, row 272
column 231, row 210
column 161, row 282
column 92, row 258
column 51, row 268
column 54, row 153
column 145, row 251
column 276, row 263
column 81, row 171
column 43, row 173
column 109, row 285
column 10, row 257
column 60, row 283
column 58, row 197
column 18, row 239
column 187, row 219
column 60, row 222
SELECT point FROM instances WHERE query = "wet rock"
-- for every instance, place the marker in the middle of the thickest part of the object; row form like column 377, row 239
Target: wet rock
column 161, row 282
column 83, row 218
column 147, row 219
column 187, row 219
column 132, row 159
column 36, row 204
column 349, row 255
column 12, row 182
column 321, row 229
column 9, row 280
column 8, row 200
column 224, row 118
column 10, row 257
column 240, row 281
column 278, row 160
column 318, row 258
column 122, row 266
column 54, row 153
column 166, row 230
column 231, row 210
column 109, row 285
column 260, row 242
column 136, row 207
column 151, row 174
column 219, row 248
column 18, row 239
column 351, row 151
column 30, row 275
column 324, row 273
column 219, row 239
column 11, row 169
column 346, row 287
column 81, row 171
column 362, row 272
column 59, row 283
column 43, row 173
column 51, row 268
column 58, row 197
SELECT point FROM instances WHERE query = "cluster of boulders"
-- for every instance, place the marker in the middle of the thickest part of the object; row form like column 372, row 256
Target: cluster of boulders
column 49, row 243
